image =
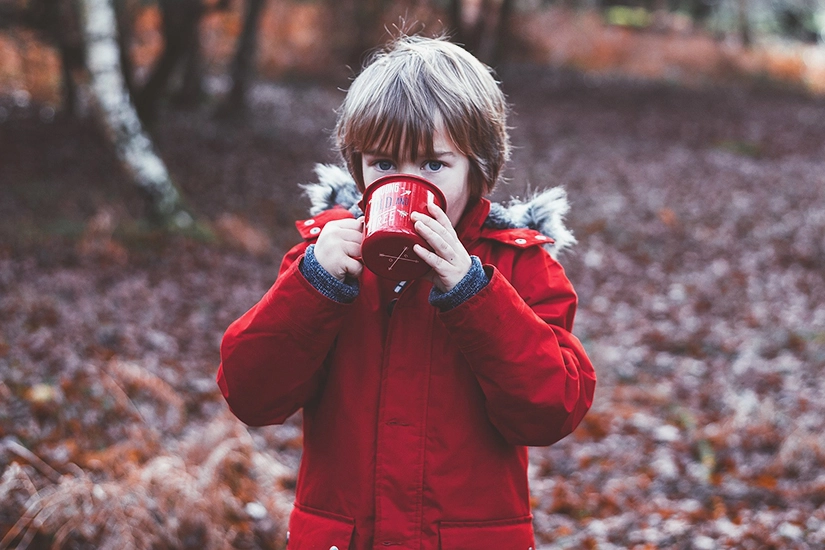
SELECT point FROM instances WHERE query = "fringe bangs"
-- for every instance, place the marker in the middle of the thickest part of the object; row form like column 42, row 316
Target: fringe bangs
column 400, row 121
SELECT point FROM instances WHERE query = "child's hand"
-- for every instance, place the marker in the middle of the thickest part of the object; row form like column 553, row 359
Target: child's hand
column 450, row 262
column 338, row 248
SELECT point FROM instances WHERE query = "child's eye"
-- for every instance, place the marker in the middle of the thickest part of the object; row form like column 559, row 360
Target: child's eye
column 383, row 165
column 433, row 165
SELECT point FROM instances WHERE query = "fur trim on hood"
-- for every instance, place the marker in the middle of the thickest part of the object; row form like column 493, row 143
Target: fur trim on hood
column 543, row 212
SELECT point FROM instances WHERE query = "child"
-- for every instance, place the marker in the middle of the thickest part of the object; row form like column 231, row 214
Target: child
column 418, row 398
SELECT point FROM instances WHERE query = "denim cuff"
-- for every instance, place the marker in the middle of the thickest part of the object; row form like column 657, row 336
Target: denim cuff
column 473, row 281
column 324, row 282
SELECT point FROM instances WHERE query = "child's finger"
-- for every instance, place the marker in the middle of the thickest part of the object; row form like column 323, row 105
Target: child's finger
column 430, row 258
column 441, row 217
column 353, row 267
column 443, row 275
column 349, row 234
column 351, row 248
column 350, row 223
column 436, row 240
column 433, row 225
column 346, row 226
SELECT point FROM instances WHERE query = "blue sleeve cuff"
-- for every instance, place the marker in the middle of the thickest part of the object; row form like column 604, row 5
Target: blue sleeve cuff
column 473, row 281
column 323, row 281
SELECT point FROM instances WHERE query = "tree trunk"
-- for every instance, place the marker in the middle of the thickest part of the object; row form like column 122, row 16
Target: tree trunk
column 456, row 15
column 69, row 89
column 358, row 23
column 123, row 19
column 368, row 14
column 64, row 26
column 744, row 23
column 180, row 24
column 133, row 147
column 494, row 33
column 244, row 61
column 191, row 91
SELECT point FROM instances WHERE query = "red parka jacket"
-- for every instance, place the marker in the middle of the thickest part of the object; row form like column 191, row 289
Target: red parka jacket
column 415, row 421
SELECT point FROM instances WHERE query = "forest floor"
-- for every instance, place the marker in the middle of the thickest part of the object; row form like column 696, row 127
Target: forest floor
column 700, row 267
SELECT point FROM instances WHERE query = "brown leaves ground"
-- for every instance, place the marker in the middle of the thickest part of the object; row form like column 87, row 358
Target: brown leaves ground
column 699, row 270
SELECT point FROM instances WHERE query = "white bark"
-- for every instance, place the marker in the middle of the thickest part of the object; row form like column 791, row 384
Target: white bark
column 117, row 113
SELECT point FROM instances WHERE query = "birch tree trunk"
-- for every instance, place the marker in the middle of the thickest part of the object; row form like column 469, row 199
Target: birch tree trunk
column 117, row 114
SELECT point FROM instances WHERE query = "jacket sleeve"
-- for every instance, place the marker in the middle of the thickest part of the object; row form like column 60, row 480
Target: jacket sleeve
column 516, row 335
column 272, row 357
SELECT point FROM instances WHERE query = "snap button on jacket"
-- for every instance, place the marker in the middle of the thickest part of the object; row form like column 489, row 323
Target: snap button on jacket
column 416, row 422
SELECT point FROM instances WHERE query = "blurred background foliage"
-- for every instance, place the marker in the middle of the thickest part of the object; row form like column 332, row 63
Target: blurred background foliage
column 185, row 51
column 192, row 53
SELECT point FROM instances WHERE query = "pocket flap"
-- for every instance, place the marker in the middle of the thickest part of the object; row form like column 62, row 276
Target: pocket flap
column 311, row 529
column 516, row 534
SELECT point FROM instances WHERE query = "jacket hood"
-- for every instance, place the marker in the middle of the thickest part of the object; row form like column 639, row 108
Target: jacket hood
column 544, row 211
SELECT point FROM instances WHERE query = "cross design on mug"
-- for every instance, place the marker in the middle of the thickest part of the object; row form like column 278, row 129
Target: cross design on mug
column 396, row 259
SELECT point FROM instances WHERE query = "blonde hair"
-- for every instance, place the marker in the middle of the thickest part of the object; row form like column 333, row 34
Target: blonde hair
column 412, row 87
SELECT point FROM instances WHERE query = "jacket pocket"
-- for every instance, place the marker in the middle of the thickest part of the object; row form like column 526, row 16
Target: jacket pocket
column 311, row 529
column 510, row 534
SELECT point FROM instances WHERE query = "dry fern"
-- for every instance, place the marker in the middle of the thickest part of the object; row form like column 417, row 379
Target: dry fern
column 198, row 495
column 132, row 379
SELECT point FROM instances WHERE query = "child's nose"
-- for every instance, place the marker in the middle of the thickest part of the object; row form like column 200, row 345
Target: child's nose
column 410, row 168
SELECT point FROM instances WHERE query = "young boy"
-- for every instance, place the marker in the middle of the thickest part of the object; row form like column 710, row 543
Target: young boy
column 419, row 398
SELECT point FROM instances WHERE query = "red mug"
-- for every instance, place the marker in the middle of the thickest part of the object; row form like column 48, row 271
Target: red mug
column 389, row 235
